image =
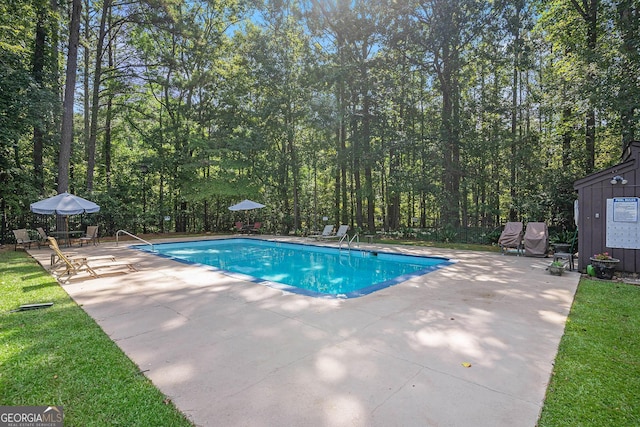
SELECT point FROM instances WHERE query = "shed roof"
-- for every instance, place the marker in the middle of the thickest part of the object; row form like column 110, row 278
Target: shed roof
column 630, row 155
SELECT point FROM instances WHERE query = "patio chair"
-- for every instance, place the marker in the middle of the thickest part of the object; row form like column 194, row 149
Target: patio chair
column 566, row 253
column 328, row 229
column 53, row 244
column 69, row 266
column 255, row 228
column 536, row 239
column 72, row 266
column 91, row 236
column 511, row 238
column 342, row 230
column 22, row 238
column 41, row 234
column 239, row 226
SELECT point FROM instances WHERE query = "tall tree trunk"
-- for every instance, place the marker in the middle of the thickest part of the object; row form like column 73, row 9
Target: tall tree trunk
column 447, row 74
column 343, row 176
column 513, row 169
column 356, row 150
column 588, row 10
column 95, row 99
column 37, row 72
column 293, row 155
column 283, row 185
column 366, row 151
column 86, row 70
column 106, row 150
column 161, row 205
column 340, row 176
column 393, row 198
column 54, row 54
column 567, row 136
column 66, row 136
column 629, row 18
column 366, row 138
column 497, row 165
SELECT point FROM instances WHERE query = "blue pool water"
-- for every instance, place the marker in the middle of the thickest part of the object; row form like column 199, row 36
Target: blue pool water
column 306, row 269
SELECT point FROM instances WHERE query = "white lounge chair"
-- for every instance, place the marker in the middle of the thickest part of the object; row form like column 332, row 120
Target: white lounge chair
column 342, row 230
column 328, row 229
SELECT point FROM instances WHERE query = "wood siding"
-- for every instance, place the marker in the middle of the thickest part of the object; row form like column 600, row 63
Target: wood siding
column 593, row 192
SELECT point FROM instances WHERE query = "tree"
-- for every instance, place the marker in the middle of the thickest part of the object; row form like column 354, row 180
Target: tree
column 627, row 69
column 588, row 11
column 402, row 113
column 443, row 30
column 354, row 32
column 95, row 98
column 66, row 135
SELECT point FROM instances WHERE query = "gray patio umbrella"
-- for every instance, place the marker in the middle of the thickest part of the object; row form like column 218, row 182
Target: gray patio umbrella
column 246, row 205
column 64, row 204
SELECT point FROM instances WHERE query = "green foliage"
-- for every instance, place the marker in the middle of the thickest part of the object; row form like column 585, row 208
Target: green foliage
column 448, row 234
column 368, row 114
column 565, row 236
column 14, row 123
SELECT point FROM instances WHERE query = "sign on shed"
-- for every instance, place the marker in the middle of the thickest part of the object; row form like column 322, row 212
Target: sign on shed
column 623, row 227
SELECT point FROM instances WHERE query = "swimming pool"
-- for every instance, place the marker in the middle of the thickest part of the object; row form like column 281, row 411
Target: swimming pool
column 305, row 269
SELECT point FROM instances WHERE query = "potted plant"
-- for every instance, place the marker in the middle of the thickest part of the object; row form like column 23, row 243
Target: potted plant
column 556, row 268
column 604, row 265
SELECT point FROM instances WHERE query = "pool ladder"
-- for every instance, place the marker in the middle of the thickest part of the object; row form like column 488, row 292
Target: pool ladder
column 134, row 236
column 346, row 239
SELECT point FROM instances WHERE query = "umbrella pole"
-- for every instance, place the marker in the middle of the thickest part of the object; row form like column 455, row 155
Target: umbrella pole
column 62, row 227
column 61, row 224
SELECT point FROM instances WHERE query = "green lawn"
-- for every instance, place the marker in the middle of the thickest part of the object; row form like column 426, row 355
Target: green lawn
column 60, row 356
column 596, row 378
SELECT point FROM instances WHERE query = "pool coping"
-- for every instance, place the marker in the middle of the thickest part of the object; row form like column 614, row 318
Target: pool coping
column 471, row 344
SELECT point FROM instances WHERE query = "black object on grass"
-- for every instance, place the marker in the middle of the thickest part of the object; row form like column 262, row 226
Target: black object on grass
column 26, row 307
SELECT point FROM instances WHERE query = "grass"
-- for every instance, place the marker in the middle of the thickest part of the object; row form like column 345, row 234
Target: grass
column 60, row 356
column 596, row 378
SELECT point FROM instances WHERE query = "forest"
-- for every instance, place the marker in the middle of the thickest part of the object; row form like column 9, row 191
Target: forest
column 380, row 114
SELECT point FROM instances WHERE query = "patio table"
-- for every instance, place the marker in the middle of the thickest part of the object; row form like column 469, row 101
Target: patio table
column 65, row 236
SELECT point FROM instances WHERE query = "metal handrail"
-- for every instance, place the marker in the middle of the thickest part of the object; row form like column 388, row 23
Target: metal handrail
column 355, row 237
column 134, row 236
column 345, row 236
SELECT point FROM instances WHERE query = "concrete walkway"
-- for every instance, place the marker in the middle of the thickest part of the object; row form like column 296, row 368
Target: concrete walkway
column 236, row 353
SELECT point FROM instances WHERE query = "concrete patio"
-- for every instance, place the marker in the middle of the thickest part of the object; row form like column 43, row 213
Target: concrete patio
column 233, row 353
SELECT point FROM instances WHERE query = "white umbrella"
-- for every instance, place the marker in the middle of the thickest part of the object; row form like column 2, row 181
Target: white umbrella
column 246, row 205
column 64, row 204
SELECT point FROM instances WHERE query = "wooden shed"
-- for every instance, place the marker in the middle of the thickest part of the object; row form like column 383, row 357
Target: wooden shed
column 608, row 218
